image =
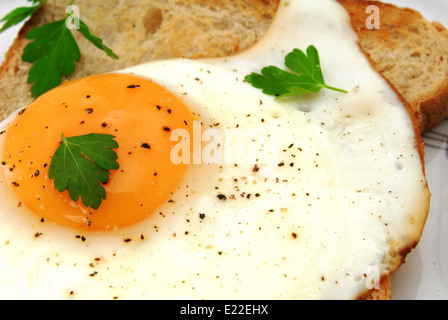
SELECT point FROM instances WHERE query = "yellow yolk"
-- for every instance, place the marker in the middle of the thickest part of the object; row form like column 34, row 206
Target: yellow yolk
column 138, row 112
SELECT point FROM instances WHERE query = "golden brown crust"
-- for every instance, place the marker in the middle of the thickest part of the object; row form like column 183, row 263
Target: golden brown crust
column 383, row 293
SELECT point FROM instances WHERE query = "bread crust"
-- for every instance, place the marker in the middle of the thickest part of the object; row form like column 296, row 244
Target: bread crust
column 384, row 292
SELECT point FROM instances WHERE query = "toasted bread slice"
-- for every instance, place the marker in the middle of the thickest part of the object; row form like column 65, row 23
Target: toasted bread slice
column 408, row 50
column 140, row 31
column 411, row 52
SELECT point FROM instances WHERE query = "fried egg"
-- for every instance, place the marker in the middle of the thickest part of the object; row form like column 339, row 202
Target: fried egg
column 223, row 192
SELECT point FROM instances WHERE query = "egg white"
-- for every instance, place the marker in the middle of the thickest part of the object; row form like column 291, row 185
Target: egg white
column 347, row 181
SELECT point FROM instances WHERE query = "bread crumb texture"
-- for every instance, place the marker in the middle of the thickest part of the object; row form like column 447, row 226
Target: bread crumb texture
column 411, row 52
column 140, row 31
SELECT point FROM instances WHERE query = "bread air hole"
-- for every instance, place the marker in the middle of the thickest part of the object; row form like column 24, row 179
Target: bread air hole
column 152, row 20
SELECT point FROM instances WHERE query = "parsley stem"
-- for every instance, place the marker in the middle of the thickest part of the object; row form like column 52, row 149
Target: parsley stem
column 71, row 3
column 335, row 89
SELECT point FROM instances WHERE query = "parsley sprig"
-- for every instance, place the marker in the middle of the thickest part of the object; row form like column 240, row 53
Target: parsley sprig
column 82, row 164
column 53, row 51
column 19, row 14
column 306, row 77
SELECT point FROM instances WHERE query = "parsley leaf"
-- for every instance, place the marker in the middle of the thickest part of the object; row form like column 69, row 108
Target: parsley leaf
column 53, row 50
column 306, row 77
column 19, row 14
column 95, row 40
column 81, row 164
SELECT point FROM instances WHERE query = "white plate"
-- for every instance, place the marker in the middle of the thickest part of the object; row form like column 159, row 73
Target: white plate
column 425, row 273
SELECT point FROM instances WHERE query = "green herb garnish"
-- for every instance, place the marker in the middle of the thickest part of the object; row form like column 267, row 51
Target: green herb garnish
column 54, row 50
column 19, row 14
column 306, row 77
column 82, row 164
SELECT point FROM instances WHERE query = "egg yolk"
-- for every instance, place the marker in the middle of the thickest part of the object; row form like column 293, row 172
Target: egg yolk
column 139, row 113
